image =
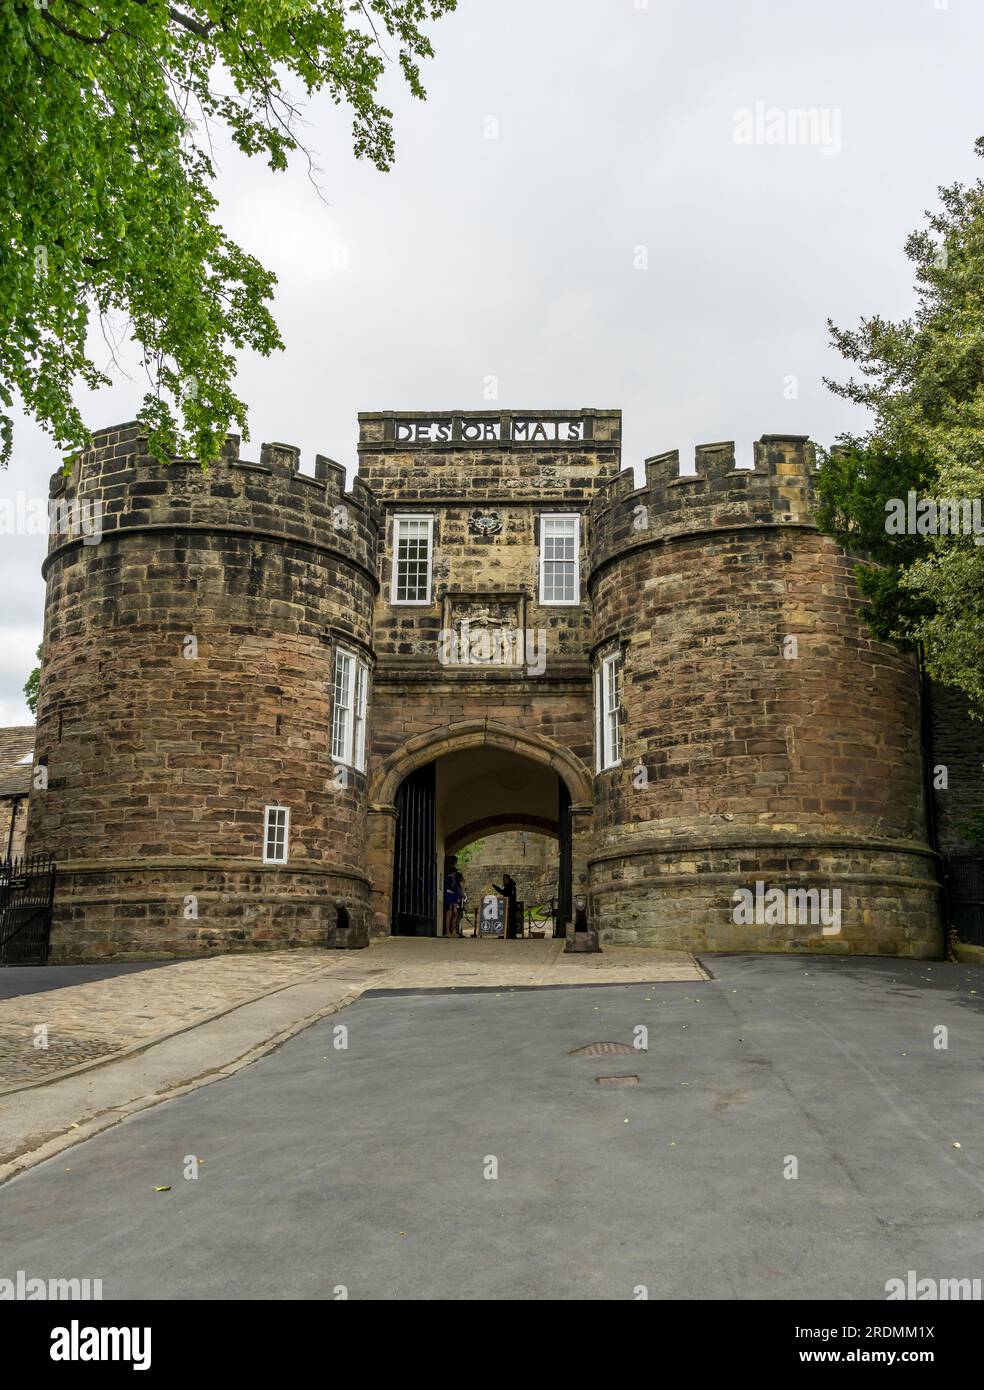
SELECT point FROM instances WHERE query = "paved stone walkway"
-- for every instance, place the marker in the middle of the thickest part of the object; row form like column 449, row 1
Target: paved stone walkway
column 437, row 963
column 16, row 980
column 96, row 1019
column 44, row 1033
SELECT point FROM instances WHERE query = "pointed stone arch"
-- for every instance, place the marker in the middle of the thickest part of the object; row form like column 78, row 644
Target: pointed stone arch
column 478, row 733
column 385, row 780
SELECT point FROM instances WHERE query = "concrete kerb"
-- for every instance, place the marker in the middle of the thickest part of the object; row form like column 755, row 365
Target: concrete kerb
column 52, row 1145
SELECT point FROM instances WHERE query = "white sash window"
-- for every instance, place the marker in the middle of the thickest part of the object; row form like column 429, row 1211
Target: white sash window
column 348, row 717
column 560, row 539
column 608, row 711
column 413, row 544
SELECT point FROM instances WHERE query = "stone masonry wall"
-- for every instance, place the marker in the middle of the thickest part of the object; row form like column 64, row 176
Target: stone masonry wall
column 766, row 737
column 415, row 694
column 531, row 861
column 518, row 482
column 13, row 825
column 957, row 746
column 186, row 684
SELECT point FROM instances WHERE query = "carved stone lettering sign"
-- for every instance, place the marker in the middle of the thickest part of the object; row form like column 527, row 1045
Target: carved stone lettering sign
column 517, row 430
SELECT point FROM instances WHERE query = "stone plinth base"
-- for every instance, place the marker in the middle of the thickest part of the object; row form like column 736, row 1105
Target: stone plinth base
column 686, row 896
column 159, row 908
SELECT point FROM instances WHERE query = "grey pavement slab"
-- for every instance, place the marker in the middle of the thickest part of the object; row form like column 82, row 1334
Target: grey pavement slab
column 366, row 1168
column 17, row 980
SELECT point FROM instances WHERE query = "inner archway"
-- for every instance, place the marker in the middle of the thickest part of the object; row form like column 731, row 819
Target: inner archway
column 530, row 856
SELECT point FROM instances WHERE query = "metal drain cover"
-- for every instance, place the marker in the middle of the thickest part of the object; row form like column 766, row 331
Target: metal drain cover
column 604, row 1049
column 617, row 1080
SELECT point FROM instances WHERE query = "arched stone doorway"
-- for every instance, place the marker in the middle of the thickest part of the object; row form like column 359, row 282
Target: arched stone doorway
column 440, row 786
column 526, row 848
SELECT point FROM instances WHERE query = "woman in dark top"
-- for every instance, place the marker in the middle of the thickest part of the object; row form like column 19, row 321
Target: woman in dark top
column 460, row 905
column 452, row 895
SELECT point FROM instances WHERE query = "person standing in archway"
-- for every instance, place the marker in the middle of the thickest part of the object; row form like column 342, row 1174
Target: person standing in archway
column 508, row 891
column 452, row 894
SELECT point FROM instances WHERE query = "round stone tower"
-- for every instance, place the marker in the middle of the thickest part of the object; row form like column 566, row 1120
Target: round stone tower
column 192, row 621
column 769, row 788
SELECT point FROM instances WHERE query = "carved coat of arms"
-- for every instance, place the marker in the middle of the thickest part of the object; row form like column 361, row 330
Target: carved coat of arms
column 484, row 523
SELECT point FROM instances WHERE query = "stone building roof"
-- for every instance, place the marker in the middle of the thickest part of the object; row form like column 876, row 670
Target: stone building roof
column 16, row 744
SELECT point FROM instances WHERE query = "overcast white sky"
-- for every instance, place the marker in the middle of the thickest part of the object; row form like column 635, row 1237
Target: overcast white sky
column 516, row 257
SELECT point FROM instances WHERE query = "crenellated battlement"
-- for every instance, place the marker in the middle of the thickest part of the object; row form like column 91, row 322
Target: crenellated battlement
column 273, row 498
column 778, row 490
column 270, row 498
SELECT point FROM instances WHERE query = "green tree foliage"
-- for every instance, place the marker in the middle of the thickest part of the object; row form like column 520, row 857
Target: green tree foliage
column 106, row 167
column 854, row 484
column 33, row 685
column 923, row 381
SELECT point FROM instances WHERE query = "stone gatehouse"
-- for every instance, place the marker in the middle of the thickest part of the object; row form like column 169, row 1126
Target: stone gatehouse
column 270, row 707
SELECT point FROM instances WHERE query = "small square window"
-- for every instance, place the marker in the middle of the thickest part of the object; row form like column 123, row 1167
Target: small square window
column 276, row 826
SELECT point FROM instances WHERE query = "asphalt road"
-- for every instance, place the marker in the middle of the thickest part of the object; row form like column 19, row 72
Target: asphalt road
column 366, row 1169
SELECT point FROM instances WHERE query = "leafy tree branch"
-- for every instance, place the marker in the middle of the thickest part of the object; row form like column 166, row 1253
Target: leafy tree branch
column 923, row 380
column 106, row 175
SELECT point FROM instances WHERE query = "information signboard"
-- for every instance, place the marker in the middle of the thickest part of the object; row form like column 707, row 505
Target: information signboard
column 492, row 918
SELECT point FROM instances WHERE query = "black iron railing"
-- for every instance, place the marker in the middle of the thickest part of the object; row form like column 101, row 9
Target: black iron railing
column 541, row 918
column 27, row 891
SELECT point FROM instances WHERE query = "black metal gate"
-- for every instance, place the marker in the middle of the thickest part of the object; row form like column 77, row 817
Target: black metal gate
column 414, row 867
column 27, row 891
column 565, row 867
column 965, row 896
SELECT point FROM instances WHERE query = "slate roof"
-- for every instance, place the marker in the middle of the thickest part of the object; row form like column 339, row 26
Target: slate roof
column 15, row 744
